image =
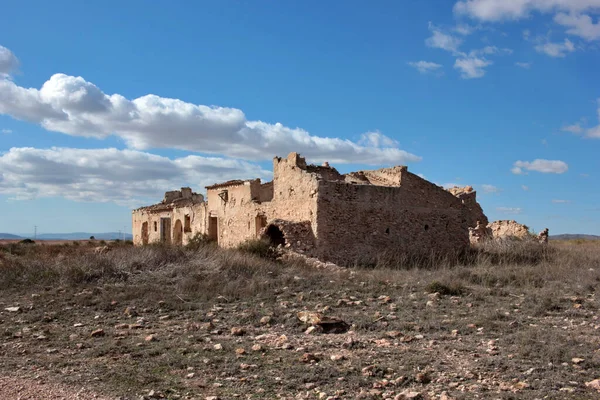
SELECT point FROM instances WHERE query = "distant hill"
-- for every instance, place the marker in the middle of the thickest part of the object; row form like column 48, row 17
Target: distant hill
column 72, row 236
column 571, row 236
column 9, row 236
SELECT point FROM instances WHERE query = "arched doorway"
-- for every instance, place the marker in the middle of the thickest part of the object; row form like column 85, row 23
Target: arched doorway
column 145, row 233
column 275, row 235
column 178, row 233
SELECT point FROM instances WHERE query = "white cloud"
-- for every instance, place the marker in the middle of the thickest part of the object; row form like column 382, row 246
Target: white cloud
column 557, row 201
column 472, row 67
column 525, row 188
column 524, row 65
column 465, row 29
column 425, row 66
column 497, row 10
column 441, row 40
column 556, row 49
column 490, row 50
column 595, row 131
column 544, row 166
column 490, row 189
column 6, row 131
column 109, row 175
column 73, row 106
column 8, row 62
column 575, row 128
column 509, row 210
column 579, row 25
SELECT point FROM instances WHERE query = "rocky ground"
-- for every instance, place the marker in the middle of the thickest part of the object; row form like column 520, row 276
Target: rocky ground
column 206, row 324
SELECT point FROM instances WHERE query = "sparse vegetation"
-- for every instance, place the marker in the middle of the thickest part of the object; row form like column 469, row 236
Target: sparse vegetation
column 508, row 320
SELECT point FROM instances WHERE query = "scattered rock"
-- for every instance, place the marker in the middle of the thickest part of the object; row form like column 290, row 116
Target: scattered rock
column 13, row 309
column 595, row 384
column 240, row 351
column 577, row 360
column 265, row 320
column 151, row 338
column 237, row 331
column 309, row 357
column 97, row 333
column 218, row 346
column 423, row 377
column 326, row 324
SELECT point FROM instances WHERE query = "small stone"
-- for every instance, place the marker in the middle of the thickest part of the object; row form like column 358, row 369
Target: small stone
column 151, row 338
column 190, row 375
column 423, row 377
column 240, row 351
column 218, row 346
column 97, row 333
column 577, row 360
column 521, row 385
column 595, row 384
column 308, row 357
column 13, row 309
column 164, row 317
column 265, row 320
column 337, row 357
column 130, row 312
column 408, row 395
column 257, row 347
column 393, row 334
column 78, row 325
column 237, row 331
column 51, row 351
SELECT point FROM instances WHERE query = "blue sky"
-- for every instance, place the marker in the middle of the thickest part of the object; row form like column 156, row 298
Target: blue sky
column 105, row 106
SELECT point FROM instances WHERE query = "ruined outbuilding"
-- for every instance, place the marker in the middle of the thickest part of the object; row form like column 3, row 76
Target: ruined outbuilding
column 316, row 211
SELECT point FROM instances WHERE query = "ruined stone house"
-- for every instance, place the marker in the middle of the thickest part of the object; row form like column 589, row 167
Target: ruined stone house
column 316, row 211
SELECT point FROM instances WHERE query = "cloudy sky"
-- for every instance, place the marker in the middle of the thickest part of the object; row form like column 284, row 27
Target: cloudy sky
column 105, row 106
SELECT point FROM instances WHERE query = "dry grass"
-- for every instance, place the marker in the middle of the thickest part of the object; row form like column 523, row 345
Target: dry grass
column 535, row 304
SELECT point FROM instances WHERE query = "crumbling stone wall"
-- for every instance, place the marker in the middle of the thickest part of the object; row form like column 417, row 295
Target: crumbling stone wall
column 469, row 198
column 508, row 228
column 359, row 222
column 319, row 212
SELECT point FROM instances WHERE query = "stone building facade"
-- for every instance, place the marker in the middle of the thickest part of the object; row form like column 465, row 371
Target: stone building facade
column 316, row 211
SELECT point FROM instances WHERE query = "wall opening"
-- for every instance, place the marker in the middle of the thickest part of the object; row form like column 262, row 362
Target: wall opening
column 145, row 233
column 275, row 236
column 165, row 230
column 155, row 226
column 187, row 224
column 178, row 233
column 260, row 222
column 426, row 227
column 213, row 229
column 387, row 231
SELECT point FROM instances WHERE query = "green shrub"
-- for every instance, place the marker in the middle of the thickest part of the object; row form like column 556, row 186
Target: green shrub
column 260, row 248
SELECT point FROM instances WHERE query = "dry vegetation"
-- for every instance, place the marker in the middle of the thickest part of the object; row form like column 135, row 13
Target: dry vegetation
column 509, row 320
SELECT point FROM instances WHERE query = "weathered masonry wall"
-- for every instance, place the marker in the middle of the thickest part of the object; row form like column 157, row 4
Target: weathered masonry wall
column 347, row 219
column 242, row 209
column 358, row 223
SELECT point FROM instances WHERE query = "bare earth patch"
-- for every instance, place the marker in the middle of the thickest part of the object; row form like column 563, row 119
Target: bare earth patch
column 170, row 323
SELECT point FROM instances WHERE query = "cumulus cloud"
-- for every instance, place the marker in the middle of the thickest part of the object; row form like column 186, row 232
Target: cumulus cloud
column 8, row 62
column 126, row 177
column 509, row 210
column 490, row 189
column 442, row 40
column 524, row 65
column 579, row 25
column 73, row 106
column 472, row 67
column 553, row 49
column 539, row 165
column 497, row 10
column 425, row 67
column 575, row 128
column 594, row 132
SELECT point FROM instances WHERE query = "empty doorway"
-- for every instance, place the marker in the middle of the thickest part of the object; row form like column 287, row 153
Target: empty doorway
column 165, row 230
column 178, row 233
column 213, row 229
column 145, row 233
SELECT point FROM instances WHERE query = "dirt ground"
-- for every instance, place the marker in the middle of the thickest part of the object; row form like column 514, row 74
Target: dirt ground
column 211, row 324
